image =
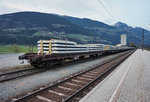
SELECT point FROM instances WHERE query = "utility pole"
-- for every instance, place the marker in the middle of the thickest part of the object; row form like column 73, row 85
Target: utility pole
column 29, row 48
column 142, row 40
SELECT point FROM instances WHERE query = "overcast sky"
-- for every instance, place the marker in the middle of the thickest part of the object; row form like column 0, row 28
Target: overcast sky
column 132, row 12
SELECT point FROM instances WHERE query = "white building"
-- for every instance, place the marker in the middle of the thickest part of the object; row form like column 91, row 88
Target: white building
column 124, row 39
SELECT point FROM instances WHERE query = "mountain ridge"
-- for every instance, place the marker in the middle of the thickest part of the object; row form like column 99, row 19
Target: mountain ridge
column 28, row 27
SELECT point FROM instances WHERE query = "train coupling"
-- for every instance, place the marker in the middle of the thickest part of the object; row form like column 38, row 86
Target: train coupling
column 22, row 57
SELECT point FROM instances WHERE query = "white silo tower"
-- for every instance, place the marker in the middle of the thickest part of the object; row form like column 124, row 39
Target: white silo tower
column 123, row 39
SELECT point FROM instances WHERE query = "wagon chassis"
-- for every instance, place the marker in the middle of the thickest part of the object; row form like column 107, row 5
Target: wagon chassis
column 43, row 60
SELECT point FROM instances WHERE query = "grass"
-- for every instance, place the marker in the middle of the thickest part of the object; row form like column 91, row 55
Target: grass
column 15, row 49
column 83, row 38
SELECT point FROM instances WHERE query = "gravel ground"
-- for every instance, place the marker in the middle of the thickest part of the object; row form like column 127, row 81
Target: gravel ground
column 26, row 84
column 8, row 60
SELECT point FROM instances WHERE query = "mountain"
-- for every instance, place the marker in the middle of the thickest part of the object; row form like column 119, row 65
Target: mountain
column 134, row 34
column 122, row 25
column 85, row 22
column 112, row 33
column 28, row 27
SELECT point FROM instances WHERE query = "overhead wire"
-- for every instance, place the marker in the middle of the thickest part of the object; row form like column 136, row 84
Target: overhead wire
column 105, row 8
column 114, row 11
column 108, row 10
column 109, row 4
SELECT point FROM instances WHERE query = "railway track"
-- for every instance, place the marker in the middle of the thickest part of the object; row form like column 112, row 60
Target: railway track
column 19, row 73
column 73, row 88
column 29, row 71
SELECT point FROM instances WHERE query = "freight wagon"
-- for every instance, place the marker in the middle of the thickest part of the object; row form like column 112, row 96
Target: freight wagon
column 54, row 51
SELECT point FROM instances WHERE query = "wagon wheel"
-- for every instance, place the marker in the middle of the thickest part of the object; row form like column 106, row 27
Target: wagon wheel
column 37, row 65
column 49, row 64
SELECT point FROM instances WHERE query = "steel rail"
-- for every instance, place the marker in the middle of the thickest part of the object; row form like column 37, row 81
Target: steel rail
column 92, row 81
column 5, row 73
column 17, row 74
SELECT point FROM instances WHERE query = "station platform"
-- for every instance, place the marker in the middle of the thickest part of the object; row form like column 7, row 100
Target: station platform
column 129, row 82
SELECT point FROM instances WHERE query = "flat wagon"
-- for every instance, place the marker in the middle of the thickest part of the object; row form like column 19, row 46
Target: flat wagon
column 54, row 51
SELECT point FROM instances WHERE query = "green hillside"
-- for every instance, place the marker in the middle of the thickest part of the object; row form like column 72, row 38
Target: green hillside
column 26, row 28
column 15, row 49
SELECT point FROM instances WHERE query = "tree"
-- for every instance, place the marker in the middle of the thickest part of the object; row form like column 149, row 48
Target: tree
column 132, row 44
